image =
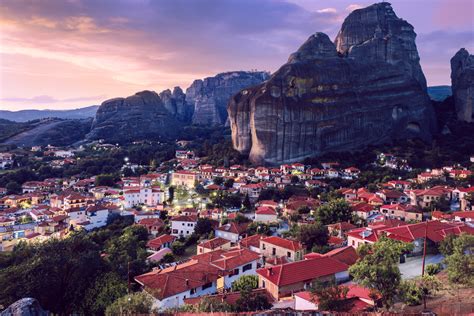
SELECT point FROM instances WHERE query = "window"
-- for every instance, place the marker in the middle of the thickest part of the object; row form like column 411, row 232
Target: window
column 192, row 291
column 175, row 231
column 263, row 246
column 207, row 285
column 247, row 267
column 288, row 254
column 274, row 251
column 235, row 272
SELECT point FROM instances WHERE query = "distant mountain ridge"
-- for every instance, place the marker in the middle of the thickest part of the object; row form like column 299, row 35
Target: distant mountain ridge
column 29, row 115
column 439, row 93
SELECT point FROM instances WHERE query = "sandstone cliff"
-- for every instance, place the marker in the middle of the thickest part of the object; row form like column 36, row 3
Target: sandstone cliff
column 462, row 81
column 365, row 88
column 142, row 115
column 209, row 97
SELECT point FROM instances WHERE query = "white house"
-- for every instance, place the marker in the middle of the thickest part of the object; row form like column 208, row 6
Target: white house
column 231, row 231
column 265, row 214
column 148, row 196
column 183, row 225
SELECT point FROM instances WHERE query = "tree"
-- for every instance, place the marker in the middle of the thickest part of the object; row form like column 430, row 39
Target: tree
column 377, row 268
column 413, row 292
column 132, row 304
column 330, row 296
column 295, row 179
column 241, row 219
column 312, row 235
column 304, row 210
column 203, row 227
column 13, row 187
column 251, row 302
column 229, row 183
column 258, row 228
column 246, row 203
column 335, row 211
column 104, row 180
column 245, row 282
column 57, row 273
column 107, row 288
column 168, row 258
column 460, row 264
column 178, row 248
column 171, row 193
column 218, row 180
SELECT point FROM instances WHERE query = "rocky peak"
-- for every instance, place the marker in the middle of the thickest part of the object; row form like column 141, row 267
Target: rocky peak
column 317, row 46
column 209, row 97
column 375, row 33
column 365, row 89
column 462, row 82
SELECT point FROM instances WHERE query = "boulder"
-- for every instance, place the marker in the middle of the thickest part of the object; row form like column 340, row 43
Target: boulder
column 462, row 82
column 366, row 88
column 24, row 307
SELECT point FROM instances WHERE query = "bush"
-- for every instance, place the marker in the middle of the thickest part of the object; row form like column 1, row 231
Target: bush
column 433, row 269
column 178, row 248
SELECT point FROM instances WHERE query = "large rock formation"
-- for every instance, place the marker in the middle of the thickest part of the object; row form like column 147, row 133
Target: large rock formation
column 209, row 97
column 24, row 307
column 462, row 81
column 367, row 88
column 175, row 103
column 140, row 116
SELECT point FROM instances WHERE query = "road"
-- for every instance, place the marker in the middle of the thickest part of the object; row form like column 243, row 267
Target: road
column 412, row 267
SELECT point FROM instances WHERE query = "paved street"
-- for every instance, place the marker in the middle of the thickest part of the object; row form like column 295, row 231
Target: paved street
column 412, row 267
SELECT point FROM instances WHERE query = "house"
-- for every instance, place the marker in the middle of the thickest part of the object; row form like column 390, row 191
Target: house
column 252, row 242
column 265, row 214
column 340, row 229
column 358, row 299
column 435, row 231
column 403, row 212
column 147, row 195
column 363, row 210
column 6, row 160
column 203, row 274
column 153, row 225
column 231, row 231
column 466, row 216
column 286, row 279
column 252, row 190
column 217, row 243
column 97, row 215
column 160, row 242
column 392, row 196
column 399, row 184
column 425, row 198
column 231, row 298
column 277, row 247
column 183, row 225
column 347, row 255
column 295, row 203
column 184, row 178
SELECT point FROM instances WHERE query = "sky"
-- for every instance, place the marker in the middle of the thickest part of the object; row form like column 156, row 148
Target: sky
column 60, row 54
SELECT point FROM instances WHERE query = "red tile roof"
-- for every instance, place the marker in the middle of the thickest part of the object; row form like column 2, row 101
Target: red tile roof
column 283, row 243
column 301, row 271
column 251, row 241
column 184, row 218
column 214, row 243
column 229, row 298
column 159, row 241
column 233, row 227
column 265, row 210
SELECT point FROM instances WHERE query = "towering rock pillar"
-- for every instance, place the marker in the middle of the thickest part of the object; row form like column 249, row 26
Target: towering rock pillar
column 462, row 82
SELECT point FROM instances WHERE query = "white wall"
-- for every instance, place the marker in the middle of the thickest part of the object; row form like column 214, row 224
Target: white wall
column 183, row 228
column 304, row 305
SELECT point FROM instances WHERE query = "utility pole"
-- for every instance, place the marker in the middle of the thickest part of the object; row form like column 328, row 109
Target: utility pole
column 423, row 266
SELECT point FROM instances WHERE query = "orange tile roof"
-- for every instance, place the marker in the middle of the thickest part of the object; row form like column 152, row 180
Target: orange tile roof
column 284, row 243
column 301, row 271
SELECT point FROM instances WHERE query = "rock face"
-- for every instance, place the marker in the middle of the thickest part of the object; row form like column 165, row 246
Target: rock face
column 366, row 88
column 209, row 97
column 462, row 81
column 175, row 103
column 140, row 116
column 24, row 307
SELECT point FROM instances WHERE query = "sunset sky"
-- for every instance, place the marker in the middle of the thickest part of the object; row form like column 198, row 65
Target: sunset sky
column 69, row 54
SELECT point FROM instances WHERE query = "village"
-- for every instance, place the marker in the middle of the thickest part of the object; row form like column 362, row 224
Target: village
column 283, row 227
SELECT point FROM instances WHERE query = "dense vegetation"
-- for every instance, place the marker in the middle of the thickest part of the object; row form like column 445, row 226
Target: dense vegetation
column 82, row 274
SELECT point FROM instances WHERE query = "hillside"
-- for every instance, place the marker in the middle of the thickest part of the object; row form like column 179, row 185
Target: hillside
column 29, row 115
